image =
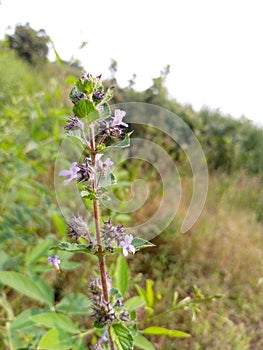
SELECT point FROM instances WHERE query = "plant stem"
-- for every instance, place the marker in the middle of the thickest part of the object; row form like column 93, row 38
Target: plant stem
column 97, row 223
column 101, row 258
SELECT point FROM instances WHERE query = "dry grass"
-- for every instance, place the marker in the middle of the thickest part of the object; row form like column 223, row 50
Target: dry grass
column 223, row 253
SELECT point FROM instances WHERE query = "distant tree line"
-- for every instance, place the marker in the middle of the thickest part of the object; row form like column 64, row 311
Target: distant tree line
column 30, row 44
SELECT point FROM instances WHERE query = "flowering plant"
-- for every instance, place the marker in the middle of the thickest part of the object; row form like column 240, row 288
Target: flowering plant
column 114, row 316
column 92, row 112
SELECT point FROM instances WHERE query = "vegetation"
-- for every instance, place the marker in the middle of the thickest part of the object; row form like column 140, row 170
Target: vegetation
column 31, row 45
column 222, row 254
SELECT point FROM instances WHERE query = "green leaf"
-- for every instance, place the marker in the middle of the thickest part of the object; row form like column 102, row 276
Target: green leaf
column 23, row 285
column 58, row 58
column 40, row 250
column 85, row 86
column 149, row 293
column 14, row 341
column 71, row 80
column 80, row 344
column 5, row 261
column 60, row 224
column 56, row 339
column 121, row 275
column 115, row 293
column 106, row 112
column 86, row 109
column 23, row 321
column 23, row 327
column 121, row 337
column 140, row 243
column 142, row 343
column 108, row 180
column 134, row 303
column 74, row 304
column 45, row 289
column 73, row 247
column 123, row 144
column 142, row 293
column 166, row 332
column 53, row 320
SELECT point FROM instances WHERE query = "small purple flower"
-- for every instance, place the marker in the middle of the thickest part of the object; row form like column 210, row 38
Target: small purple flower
column 55, row 261
column 70, row 174
column 86, row 170
column 74, row 123
column 117, row 119
column 103, row 166
column 98, row 95
column 127, row 246
column 103, row 338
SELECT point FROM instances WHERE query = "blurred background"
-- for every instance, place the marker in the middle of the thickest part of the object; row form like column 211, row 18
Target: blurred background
column 200, row 60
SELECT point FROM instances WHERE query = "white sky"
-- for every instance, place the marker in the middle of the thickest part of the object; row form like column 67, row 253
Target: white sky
column 214, row 47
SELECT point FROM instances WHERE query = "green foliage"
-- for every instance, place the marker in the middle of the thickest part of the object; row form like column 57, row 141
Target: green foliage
column 221, row 254
column 26, row 286
column 31, row 45
column 122, row 337
column 166, row 332
column 121, row 275
column 74, row 304
column 52, row 320
column 56, row 339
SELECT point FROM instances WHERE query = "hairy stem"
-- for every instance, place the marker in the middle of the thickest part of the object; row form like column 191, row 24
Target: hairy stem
column 101, row 258
column 102, row 265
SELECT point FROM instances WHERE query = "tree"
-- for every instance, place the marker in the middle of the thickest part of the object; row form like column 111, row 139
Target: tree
column 30, row 44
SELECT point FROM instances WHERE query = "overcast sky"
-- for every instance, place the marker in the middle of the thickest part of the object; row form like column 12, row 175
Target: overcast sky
column 214, row 47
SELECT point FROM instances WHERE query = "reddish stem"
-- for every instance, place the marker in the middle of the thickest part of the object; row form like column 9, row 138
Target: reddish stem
column 102, row 264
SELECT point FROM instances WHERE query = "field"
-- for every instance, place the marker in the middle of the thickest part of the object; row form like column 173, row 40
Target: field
column 221, row 256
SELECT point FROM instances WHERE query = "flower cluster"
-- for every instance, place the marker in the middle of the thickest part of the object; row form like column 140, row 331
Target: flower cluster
column 113, row 126
column 103, row 311
column 86, row 171
column 114, row 235
column 78, row 228
column 74, row 123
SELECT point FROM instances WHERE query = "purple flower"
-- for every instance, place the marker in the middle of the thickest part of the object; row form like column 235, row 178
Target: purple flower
column 127, row 246
column 103, row 338
column 70, row 174
column 117, row 119
column 55, row 261
column 74, row 123
column 86, row 171
column 103, row 166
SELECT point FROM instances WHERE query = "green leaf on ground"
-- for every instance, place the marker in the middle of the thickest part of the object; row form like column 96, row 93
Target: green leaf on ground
column 56, row 339
column 134, row 303
column 54, row 320
column 166, row 332
column 121, row 275
column 24, row 285
column 121, row 336
column 74, row 304
column 142, row 343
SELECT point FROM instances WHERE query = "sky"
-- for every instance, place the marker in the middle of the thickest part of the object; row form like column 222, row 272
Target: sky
column 214, row 47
